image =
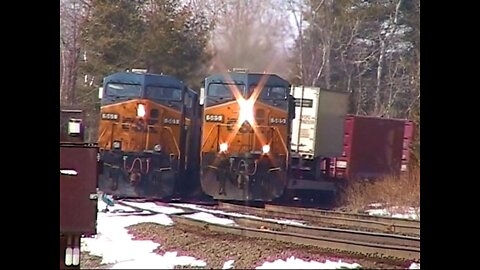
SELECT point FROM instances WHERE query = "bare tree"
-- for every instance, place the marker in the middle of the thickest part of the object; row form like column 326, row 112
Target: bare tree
column 385, row 38
column 297, row 7
column 357, row 46
column 72, row 14
column 250, row 34
column 320, row 28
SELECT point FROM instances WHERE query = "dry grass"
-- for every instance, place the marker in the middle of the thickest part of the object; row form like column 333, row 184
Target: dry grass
column 389, row 191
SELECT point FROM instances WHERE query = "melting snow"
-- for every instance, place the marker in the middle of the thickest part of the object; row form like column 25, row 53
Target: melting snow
column 228, row 264
column 116, row 246
column 414, row 266
column 396, row 212
column 157, row 208
column 294, row 263
column 207, row 217
column 233, row 214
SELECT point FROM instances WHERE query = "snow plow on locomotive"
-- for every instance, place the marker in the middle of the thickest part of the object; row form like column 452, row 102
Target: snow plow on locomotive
column 245, row 151
column 146, row 122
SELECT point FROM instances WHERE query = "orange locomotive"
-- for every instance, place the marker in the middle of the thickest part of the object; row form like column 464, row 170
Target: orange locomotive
column 143, row 133
column 245, row 147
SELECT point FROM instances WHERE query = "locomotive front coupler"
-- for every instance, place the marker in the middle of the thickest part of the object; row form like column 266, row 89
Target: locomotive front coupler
column 244, row 163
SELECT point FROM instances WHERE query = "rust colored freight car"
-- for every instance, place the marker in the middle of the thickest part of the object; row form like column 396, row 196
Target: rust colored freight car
column 78, row 187
column 373, row 147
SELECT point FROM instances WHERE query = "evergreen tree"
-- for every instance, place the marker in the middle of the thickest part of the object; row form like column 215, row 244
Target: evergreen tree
column 162, row 36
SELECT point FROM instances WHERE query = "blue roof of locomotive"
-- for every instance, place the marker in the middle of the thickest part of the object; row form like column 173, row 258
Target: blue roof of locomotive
column 144, row 79
column 250, row 78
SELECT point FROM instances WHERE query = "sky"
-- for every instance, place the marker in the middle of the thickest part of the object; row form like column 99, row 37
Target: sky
column 117, row 248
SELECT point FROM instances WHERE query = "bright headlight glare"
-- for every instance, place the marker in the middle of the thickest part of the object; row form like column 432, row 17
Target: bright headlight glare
column 141, row 110
column 157, row 148
column 266, row 149
column 223, row 147
column 116, row 144
column 246, row 111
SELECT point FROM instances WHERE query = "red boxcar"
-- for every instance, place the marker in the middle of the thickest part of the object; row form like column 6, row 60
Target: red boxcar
column 374, row 147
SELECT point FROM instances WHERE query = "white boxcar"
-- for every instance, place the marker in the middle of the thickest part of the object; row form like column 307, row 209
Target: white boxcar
column 318, row 126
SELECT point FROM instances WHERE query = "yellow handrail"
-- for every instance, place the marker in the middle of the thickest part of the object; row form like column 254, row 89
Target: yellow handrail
column 169, row 129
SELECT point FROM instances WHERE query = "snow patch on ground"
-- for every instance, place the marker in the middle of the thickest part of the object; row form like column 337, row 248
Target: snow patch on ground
column 294, row 263
column 233, row 214
column 414, row 266
column 116, row 246
column 395, row 211
column 207, row 217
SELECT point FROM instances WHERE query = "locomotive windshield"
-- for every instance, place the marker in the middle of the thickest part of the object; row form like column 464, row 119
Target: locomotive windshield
column 163, row 93
column 271, row 92
column 223, row 91
column 123, row 90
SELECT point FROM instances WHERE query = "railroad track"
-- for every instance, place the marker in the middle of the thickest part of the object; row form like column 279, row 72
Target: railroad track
column 316, row 216
column 360, row 242
column 363, row 246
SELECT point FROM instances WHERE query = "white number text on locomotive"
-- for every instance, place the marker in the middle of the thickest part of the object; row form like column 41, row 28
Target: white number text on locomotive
column 279, row 121
column 214, row 118
column 109, row 116
column 171, row 121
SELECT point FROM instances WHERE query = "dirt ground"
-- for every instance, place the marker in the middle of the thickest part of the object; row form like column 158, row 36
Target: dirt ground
column 217, row 248
column 88, row 261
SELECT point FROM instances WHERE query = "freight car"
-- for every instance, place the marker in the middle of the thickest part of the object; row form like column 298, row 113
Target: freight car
column 317, row 135
column 330, row 147
column 146, row 122
column 373, row 147
column 78, row 187
column 245, row 150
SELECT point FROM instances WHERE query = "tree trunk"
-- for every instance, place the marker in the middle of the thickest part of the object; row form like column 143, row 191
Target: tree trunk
column 378, row 89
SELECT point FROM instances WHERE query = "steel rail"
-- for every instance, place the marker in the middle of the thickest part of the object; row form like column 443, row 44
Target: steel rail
column 385, row 224
column 365, row 248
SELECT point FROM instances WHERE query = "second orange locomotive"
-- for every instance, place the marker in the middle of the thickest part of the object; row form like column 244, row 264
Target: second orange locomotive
column 245, row 151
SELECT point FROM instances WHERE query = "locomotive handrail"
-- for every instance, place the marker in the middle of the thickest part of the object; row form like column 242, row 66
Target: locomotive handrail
column 103, row 132
column 169, row 129
column 276, row 131
column 208, row 136
column 285, row 148
column 210, row 133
